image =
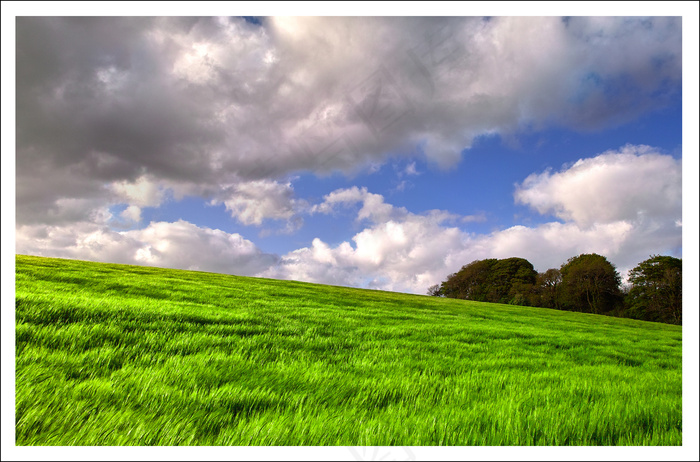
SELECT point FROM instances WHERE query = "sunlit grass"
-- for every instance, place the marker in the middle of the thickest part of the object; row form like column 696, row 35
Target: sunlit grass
column 127, row 355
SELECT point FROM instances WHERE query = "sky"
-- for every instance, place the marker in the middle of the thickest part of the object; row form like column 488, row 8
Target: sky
column 374, row 152
column 365, row 151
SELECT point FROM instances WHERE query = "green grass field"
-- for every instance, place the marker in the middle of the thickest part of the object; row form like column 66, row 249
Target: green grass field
column 126, row 355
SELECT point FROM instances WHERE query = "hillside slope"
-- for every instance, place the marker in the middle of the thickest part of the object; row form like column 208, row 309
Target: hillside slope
column 125, row 355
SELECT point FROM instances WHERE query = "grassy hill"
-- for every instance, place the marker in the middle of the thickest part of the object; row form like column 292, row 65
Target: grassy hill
column 126, row 355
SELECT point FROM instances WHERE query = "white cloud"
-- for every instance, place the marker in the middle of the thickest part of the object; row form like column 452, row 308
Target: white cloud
column 132, row 213
column 185, row 245
column 622, row 204
column 253, row 202
column 400, row 251
column 634, row 183
column 373, row 206
column 404, row 251
column 409, row 252
column 83, row 241
column 144, row 192
column 172, row 245
column 318, row 263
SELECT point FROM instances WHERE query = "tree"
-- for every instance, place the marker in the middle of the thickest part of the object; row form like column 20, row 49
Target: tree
column 512, row 279
column 656, row 292
column 509, row 280
column 548, row 288
column 434, row 290
column 470, row 282
column 590, row 283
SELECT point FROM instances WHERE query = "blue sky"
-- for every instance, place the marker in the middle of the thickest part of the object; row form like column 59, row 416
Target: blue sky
column 377, row 152
column 478, row 185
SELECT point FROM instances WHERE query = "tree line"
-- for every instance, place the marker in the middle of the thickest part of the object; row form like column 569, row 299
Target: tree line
column 587, row 283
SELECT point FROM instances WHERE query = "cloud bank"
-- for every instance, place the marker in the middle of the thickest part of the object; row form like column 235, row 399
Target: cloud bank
column 199, row 104
column 600, row 211
column 181, row 245
column 622, row 204
column 138, row 111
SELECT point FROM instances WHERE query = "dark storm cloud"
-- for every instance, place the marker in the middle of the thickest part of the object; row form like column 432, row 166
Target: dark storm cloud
column 196, row 103
column 96, row 92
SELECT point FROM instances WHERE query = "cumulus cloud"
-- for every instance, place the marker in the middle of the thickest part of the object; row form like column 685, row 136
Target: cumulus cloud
column 401, row 255
column 143, row 192
column 634, row 183
column 132, row 213
column 180, row 245
column 403, row 251
column 622, row 204
column 319, row 263
column 114, row 101
column 135, row 110
column 253, row 202
column 373, row 206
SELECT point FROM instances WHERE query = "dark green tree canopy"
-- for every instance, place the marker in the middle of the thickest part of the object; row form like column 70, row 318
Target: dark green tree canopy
column 590, row 283
column 548, row 288
column 657, row 290
column 491, row 280
column 512, row 278
column 470, row 282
